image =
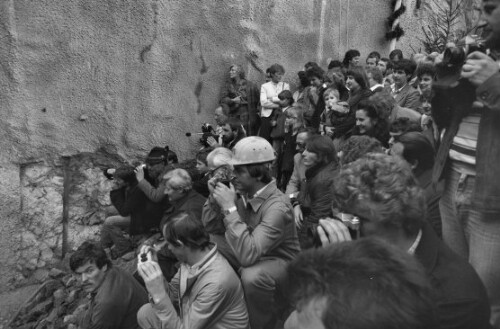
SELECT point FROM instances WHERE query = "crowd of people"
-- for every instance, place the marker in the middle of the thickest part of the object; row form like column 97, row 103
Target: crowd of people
column 361, row 195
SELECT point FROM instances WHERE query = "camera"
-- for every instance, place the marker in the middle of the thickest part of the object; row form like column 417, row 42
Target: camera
column 352, row 222
column 146, row 256
column 448, row 71
column 206, row 131
column 149, row 250
column 456, row 56
column 125, row 173
column 222, row 174
column 225, row 181
column 450, row 93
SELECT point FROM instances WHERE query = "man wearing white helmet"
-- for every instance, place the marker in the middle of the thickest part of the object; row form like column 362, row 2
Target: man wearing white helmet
column 259, row 228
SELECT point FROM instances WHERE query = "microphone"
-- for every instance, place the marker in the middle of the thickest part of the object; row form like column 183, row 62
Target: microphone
column 188, row 134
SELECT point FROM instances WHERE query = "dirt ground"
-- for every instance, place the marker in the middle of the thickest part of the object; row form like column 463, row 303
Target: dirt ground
column 12, row 300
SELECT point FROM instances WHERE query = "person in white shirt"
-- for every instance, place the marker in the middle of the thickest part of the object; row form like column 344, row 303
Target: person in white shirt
column 269, row 100
column 375, row 78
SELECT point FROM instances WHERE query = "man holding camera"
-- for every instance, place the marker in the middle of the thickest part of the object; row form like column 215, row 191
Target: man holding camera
column 382, row 193
column 259, row 228
column 468, row 160
column 232, row 133
column 206, row 290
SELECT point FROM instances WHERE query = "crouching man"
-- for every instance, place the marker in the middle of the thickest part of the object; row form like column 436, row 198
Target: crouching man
column 259, row 229
column 206, row 290
column 115, row 296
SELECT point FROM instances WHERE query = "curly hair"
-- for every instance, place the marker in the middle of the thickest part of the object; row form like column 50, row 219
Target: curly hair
column 349, row 55
column 384, row 188
column 376, row 109
column 356, row 147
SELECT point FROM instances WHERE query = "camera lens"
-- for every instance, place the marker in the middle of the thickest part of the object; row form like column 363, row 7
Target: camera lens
column 454, row 56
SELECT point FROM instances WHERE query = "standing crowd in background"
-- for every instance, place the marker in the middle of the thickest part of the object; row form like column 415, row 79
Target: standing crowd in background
column 363, row 194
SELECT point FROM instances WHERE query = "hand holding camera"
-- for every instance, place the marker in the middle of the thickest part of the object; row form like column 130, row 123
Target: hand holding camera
column 147, row 254
column 139, row 172
column 151, row 273
column 331, row 231
column 225, row 196
column 478, row 68
column 344, row 227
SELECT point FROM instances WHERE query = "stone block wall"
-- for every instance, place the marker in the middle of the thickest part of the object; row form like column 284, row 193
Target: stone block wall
column 63, row 204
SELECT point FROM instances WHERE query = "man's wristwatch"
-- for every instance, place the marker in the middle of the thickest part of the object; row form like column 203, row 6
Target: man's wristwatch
column 230, row 210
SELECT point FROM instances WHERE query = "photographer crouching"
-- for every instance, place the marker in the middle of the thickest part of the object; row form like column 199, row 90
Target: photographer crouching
column 139, row 203
column 468, row 161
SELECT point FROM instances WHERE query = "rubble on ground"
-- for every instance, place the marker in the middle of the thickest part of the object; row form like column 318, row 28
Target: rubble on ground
column 60, row 300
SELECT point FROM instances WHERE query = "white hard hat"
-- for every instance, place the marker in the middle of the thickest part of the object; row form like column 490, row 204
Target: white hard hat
column 252, row 150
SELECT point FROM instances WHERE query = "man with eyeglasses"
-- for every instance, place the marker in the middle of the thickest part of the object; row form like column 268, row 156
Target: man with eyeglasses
column 381, row 192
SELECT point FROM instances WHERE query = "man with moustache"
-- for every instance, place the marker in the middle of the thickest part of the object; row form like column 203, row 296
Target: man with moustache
column 259, row 229
column 115, row 296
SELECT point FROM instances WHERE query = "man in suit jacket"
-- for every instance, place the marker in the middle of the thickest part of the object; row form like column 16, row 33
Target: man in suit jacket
column 402, row 91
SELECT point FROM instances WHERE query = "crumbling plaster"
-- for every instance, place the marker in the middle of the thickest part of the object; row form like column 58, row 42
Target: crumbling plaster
column 125, row 75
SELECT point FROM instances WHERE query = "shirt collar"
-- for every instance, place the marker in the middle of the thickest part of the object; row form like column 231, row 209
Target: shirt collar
column 376, row 86
column 414, row 246
column 204, row 260
column 260, row 196
column 397, row 91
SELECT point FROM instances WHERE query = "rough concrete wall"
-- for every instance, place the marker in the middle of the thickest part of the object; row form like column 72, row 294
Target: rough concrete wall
column 412, row 21
column 82, row 75
column 123, row 75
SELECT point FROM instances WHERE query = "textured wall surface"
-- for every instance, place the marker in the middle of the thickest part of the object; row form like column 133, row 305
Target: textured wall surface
column 124, row 75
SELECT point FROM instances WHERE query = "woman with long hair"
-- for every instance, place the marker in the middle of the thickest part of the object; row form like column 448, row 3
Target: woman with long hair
column 372, row 121
column 315, row 196
column 351, row 59
column 242, row 97
column 294, row 121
